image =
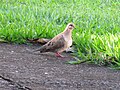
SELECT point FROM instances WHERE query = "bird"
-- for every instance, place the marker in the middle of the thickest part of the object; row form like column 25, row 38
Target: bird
column 60, row 42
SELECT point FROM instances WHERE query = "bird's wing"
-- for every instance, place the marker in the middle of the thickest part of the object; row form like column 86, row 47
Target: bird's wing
column 53, row 45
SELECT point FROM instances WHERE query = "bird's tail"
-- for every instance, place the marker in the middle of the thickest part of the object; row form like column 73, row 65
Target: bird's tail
column 29, row 50
column 41, row 49
column 36, row 50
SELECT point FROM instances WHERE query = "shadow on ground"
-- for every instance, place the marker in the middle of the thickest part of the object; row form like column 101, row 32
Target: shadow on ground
column 20, row 70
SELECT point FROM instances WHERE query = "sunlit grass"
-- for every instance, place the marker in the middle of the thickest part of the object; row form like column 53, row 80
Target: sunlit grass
column 97, row 33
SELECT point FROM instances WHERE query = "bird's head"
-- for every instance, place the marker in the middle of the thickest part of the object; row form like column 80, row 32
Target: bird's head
column 70, row 26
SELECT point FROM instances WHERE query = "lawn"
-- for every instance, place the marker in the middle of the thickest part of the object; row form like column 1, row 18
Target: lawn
column 97, row 34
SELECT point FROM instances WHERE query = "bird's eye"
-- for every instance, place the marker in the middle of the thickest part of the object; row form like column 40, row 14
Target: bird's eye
column 71, row 25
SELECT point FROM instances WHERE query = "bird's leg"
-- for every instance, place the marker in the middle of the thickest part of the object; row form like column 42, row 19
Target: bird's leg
column 59, row 55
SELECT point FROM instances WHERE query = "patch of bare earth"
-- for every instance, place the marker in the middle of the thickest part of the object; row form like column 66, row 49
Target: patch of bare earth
column 20, row 70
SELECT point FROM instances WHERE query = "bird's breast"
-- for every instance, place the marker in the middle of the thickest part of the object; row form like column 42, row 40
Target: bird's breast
column 69, row 43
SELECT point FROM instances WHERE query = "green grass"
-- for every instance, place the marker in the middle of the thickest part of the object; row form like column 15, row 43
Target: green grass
column 97, row 33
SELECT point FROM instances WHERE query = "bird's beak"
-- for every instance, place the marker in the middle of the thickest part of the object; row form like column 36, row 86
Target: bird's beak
column 74, row 27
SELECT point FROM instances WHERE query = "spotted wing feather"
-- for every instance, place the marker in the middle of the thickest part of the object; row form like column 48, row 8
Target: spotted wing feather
column 53, row 45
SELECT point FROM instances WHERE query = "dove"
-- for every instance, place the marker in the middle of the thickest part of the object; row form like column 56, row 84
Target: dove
column 60, row 42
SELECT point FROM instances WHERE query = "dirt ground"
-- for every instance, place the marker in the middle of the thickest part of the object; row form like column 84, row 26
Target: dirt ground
column 21, row 70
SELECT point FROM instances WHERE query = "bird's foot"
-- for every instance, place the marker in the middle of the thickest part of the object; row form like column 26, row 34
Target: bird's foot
column 59, row 55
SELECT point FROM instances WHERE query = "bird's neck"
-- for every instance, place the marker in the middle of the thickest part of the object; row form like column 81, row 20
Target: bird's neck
column 68, row 32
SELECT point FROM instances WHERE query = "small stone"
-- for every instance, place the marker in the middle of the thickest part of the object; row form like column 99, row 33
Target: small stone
column 12, row 51
column 16, row 71
column 46, row 73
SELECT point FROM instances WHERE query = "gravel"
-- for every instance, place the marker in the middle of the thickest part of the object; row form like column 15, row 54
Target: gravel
column 22, row 70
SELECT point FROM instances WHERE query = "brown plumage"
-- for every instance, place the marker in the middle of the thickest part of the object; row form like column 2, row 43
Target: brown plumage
column 60, row 42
